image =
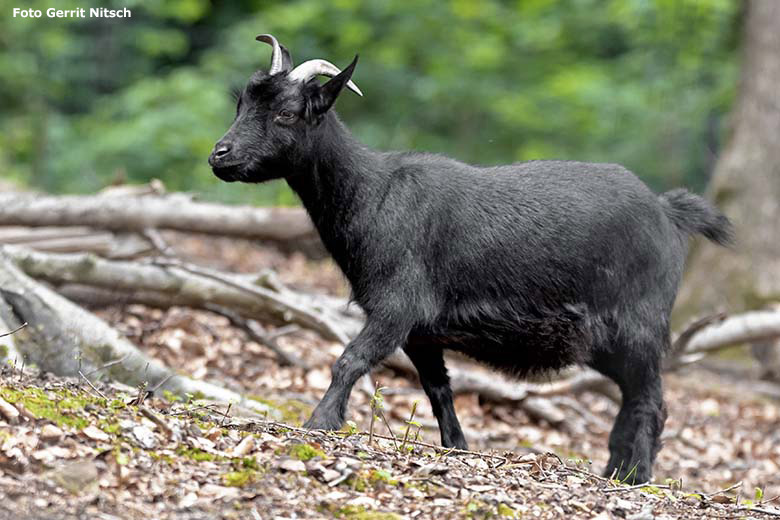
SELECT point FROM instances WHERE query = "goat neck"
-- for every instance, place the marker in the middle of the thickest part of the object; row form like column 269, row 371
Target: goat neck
column 336, row 182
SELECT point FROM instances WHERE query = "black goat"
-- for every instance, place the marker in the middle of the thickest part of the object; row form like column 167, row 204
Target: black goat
column 528, row 268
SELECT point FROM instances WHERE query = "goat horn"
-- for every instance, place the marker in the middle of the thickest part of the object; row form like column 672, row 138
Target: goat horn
column 287, row 62
column 311, row 68
column 276, row 54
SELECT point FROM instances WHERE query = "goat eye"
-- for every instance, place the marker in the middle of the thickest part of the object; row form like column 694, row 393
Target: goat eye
column 285, row 116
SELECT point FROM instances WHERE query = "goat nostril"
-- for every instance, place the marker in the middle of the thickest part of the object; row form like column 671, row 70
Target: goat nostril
column 222, row 151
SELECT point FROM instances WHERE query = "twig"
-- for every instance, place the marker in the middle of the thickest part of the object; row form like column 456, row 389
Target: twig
column 327, row 433
column 209, row 407
column 162, row 382
column 142, row 392
column 267, row 339
column 92, row 386
column 314, row 319
column 589, row 474
column 762, row 510
column 682, row 340
column 17, row 329
column 724, row 491
column 156, row 420
column 159, row 243
column 637, row 486
column 392, row 435
column 109, row 364
column 225, row 414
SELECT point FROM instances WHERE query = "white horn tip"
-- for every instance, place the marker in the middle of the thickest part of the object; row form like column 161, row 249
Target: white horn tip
column 354, row 88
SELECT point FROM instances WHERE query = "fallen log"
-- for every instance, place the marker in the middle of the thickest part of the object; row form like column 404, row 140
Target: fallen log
column 199, row 289
column 140, row 213
column 78, row 239
column 67, row 340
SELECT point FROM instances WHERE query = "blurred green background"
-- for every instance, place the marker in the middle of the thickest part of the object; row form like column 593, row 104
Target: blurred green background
column 645, row 83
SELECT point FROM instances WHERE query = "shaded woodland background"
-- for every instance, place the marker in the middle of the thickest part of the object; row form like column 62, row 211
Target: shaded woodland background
column 88, row 102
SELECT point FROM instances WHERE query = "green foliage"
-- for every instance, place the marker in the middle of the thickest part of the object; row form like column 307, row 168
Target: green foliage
column 647, row 84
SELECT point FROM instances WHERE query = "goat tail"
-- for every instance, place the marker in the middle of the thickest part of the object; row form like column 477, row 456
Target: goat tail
column 692, row 214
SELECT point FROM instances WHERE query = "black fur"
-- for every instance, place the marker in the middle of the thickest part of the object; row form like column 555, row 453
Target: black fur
column 529, row 267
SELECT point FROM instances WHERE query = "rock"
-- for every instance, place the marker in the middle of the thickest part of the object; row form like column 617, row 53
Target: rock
column 188, row 500
column 211, row 492
column 244, row 447
column 9, row 411
column 95, row 433
column 320, row 472
column 291, row 465
column 75, row 476
column 645, row 514
column 50, row 432
column 364, row 501
column 144, row 437
column 432, row 469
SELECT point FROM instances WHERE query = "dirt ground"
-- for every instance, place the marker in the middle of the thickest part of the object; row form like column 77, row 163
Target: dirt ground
column 72, row 453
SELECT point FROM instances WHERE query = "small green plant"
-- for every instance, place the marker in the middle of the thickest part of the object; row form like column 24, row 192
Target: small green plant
column 675, row 484
column 351, row 428
column 759, row 494
column 171, row 397
column 377, row 407
column 377, row 403
column 409, row 423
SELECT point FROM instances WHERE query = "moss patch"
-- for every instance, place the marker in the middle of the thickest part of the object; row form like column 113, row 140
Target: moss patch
column 197, row 454
column 361, row 513
column 290, row 411
column 62, row 406
column 506, row 511
column 240, row 478
column 305, row 452
column 380, row 476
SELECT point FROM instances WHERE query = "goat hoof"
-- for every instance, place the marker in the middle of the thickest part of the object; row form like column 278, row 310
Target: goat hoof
column 320, row 423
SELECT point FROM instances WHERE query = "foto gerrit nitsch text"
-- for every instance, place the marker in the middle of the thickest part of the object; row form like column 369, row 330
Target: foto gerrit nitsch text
column 79, row 12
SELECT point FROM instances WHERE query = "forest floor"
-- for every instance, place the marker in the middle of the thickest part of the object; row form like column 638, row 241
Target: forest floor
column 74, row 451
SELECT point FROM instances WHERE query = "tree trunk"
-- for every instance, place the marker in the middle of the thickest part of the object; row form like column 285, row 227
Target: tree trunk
column 746, row 184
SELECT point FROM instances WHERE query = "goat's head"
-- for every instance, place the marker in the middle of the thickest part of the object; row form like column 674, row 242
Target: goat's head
column 278, row 113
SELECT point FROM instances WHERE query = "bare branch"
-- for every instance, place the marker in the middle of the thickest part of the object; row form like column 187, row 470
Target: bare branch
column 17, row 329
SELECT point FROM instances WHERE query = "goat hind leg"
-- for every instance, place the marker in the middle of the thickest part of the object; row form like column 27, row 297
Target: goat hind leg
column 429, row 362
column 634, row 440
column 645, row 416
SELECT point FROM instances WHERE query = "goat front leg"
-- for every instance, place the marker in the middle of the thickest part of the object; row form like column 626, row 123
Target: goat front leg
column 375, row 342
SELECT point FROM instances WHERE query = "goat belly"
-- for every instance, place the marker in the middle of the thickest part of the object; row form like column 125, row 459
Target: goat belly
column 521, row 347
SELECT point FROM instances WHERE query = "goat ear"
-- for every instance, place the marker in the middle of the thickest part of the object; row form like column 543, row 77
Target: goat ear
column 331, row 90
